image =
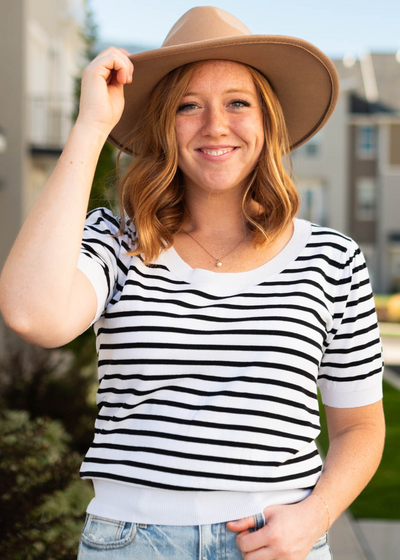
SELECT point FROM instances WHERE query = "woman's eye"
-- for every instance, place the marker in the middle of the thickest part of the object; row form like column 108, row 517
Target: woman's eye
column 240, row 103
column 187, row 107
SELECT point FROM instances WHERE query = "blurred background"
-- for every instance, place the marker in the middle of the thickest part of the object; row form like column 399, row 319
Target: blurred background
column 349, row 179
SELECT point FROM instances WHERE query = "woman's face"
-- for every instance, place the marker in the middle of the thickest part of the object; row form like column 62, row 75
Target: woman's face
column 219, row 128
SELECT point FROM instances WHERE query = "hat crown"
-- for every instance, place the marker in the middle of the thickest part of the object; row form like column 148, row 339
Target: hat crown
column 202, row 24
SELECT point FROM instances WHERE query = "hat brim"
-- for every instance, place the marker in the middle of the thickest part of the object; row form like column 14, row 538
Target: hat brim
column 303, row 77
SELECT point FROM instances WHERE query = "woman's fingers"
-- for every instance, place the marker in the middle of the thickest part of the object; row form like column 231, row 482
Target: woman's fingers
column 124, row 51
column 112, row 49
column 110, row 60
column 241, row 524
column 289, row 532
column 102, row 93
column 249, row 541
column 112, row 63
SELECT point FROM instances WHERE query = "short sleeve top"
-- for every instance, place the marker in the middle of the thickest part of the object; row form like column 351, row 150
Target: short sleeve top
column 208, row 380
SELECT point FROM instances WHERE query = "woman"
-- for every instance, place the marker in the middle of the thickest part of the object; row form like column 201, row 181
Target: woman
column 216, row 311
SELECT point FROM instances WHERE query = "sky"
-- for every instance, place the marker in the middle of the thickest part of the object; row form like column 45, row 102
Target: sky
column 336, row 27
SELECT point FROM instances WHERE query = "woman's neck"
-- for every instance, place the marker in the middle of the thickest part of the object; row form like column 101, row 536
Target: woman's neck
column 215, row 215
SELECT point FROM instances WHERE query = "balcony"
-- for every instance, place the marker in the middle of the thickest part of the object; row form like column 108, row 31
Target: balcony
column 50, row 120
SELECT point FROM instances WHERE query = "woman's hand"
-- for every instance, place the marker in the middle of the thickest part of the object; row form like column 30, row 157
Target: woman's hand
column 356, row 438
column 102, row 91
column 289, row 533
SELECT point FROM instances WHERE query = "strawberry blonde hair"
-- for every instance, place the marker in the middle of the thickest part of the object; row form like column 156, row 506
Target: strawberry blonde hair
column 152, row 191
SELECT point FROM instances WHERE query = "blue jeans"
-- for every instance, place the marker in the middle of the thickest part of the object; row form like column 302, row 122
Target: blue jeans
column 106, row 539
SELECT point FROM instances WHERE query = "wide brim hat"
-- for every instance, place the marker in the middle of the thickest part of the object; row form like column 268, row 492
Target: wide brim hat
column 303, row 78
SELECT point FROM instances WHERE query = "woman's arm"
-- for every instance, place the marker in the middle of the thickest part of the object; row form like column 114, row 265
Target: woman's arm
column 356, row 437
column 356, row 440
column 43, row 296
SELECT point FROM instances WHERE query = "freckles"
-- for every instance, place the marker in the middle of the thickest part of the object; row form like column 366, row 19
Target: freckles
column 186, row 128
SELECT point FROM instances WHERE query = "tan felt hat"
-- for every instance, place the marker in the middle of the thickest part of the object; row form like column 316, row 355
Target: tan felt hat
column 303, row 77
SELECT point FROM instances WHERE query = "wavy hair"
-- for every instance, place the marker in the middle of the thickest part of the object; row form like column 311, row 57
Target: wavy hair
column 152, row 190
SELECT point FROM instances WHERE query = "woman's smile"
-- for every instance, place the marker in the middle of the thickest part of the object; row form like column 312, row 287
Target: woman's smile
column 217, row 153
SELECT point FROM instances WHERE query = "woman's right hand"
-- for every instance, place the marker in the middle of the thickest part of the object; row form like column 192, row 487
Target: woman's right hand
column 102, row 90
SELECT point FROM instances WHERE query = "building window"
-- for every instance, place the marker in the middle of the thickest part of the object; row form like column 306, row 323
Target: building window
column 313, row 146
column 365, row 199
column 366, row 142
column 313, row 205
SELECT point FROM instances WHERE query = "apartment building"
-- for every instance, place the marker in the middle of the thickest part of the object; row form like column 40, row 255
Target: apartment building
column 349, row 173
column 41, row 51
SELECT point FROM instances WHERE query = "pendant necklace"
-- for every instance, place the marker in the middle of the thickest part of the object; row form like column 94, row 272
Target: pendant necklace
column 218, row 262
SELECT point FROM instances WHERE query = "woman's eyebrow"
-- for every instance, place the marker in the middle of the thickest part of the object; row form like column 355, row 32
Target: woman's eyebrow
column 234, row 90
column 240, row 91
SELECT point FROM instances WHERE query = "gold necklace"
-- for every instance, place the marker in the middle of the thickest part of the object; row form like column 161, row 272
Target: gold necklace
column 217, row 261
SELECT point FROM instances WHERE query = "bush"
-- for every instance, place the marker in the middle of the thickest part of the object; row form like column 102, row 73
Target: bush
column 57, row 383
column 42, row 500
column 46, row 424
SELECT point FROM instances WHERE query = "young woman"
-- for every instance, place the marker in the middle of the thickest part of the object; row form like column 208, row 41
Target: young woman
column 217, row 312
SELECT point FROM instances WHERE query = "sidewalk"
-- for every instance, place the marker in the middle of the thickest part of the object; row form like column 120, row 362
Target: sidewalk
column 381, row 538
column 344, row 540
column 366, row 539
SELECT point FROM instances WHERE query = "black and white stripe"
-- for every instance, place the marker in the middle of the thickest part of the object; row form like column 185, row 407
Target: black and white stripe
column 214, row 387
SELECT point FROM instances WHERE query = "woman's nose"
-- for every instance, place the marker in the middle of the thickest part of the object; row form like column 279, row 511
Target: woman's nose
column 215, row 122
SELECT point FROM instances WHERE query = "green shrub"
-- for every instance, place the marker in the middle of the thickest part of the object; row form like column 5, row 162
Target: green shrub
column 42, row 500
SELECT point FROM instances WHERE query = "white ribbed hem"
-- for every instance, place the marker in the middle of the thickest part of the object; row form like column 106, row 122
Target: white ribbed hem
column 136, row 504
column 352, row 399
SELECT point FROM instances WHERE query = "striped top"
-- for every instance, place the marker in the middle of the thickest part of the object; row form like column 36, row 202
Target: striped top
column 208, row 380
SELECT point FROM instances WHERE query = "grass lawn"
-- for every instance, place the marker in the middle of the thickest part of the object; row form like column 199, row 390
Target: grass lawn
column 389, row 329
column 381, row 498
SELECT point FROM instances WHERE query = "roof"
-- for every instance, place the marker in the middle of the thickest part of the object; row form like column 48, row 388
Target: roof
column 375, row 80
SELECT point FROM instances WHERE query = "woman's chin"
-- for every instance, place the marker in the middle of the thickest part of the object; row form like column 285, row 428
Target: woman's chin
column 220, row 186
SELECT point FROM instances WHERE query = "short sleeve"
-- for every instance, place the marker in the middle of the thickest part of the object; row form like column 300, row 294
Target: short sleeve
column 99, row 254
column 351, row 368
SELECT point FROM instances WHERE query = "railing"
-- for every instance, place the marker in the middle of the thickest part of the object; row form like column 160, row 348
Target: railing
column 50, row 121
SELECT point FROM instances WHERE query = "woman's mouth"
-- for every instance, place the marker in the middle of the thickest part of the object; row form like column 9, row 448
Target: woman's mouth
column 213, row 153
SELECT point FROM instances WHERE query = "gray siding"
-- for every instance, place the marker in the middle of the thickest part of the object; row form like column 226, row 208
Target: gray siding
column 13, row 121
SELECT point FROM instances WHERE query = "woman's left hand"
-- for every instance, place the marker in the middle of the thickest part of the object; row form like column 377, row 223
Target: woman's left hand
column 289, row 534
column 356, row 438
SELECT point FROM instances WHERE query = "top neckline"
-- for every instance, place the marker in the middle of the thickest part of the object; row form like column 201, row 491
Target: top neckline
column 231, row 282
